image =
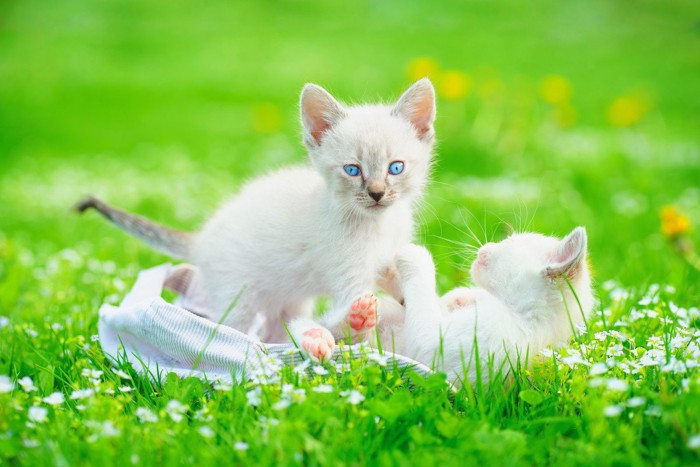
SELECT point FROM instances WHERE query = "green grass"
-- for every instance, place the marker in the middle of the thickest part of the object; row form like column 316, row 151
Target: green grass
column 167, row 109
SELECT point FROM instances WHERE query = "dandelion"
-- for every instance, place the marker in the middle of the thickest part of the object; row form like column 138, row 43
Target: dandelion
column 55, row 398
column 6, row 384
column 27, row 384
column 353, row 396
column 37, row 414
column 612, row 411
column 146, row 415
column 454, row 85
column 421, row 67
column 673, row 222
column 206, row 431
column 323, row 388
column 240, row 446
column 628, row 110
column 82, row 394
column 175, row 409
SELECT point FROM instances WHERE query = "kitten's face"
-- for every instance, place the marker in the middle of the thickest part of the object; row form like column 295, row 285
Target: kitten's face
column 372, row 156
column 527, row 268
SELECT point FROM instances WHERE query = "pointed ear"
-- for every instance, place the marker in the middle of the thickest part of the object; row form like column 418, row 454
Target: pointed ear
column 319, row 112
column 417, row 105
column 569, row 256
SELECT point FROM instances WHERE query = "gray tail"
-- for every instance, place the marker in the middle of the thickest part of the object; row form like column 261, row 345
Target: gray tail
column 161, row 238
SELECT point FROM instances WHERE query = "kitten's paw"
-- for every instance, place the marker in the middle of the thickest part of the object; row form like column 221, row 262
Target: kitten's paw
column 317, row 344
column 458, row 298
column 363, row 312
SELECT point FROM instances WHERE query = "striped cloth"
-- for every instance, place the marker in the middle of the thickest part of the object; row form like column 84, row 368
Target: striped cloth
column 158, row 337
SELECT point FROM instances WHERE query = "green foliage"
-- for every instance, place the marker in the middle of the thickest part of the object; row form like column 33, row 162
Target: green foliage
column 550, row 116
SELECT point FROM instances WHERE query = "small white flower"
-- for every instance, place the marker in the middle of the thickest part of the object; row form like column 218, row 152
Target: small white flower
column 4, row 322
column 30, row 443
column 37, row 414
column 612, row 411
column 126, row 388
column 353, row 396
column 319, row 370
column 57, row 327
column 654, row 341
column 120, row 373
column 254, row 396
column 674, row 366
column 31, row 332
column 598, row 369
column 27, row 384
column 82, row 394
column 95, row 337
column 572, row 360
column 615, row 384
column 323, row 388
column 299, row 395
column 240, row 446
column 6, row 384
column 601, row 336
column 109, row 430
column 90, row 373
column 377, row 357
column 175, row 410
column 55, row 398
column 223, row 386
column 301, row 368
column 206, row 431
column 146, row 415
column 653, row 411
column 694, row 442
column 636, row 401
column 282, row 404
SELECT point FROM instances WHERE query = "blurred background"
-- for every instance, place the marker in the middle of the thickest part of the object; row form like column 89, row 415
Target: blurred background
column 551, row 114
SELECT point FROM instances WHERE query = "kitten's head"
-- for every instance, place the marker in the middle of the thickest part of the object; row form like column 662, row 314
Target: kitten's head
column 527, row 270
column 371, row 156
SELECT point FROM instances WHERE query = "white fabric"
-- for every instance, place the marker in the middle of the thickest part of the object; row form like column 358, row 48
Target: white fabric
column 159, row 338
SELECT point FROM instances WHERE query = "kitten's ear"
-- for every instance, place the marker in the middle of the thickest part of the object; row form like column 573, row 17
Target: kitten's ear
column 319, row 112
column 417, row 105
column 569, row 256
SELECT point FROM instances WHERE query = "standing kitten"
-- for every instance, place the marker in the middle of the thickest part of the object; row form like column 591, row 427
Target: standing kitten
column 520, row 304
column 299, row 233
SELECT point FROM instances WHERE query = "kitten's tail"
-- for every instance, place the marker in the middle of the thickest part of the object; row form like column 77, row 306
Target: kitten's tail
column 161, row 238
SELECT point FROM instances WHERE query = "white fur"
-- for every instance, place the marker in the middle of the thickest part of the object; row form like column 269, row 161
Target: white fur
column 306, row 232
column 519, row 305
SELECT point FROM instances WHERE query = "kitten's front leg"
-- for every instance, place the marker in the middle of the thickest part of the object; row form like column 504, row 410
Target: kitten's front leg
column 315, row 341
column 389, row 282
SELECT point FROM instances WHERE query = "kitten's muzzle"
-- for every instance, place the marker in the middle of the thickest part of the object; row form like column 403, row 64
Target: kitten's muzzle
column 376, row 195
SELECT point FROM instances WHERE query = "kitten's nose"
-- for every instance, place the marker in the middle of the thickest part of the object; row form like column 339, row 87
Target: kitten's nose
column 376, row 195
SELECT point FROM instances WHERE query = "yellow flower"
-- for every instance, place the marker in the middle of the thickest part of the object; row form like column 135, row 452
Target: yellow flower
column 565, row 115
column 555, row 89
column 673, row 222
column 628, row 110
column 266, row 118
column 421, row 67
column 454, row 85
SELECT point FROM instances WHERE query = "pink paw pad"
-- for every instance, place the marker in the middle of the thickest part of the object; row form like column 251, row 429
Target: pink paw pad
column 363, row 312
column 318, row 343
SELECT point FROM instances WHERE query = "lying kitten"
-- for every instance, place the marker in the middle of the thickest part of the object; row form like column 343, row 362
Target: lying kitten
column 299, row 233
column 520, row 304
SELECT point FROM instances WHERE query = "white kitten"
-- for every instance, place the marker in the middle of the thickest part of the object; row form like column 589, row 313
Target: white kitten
column 520, row 304
column 305, row 232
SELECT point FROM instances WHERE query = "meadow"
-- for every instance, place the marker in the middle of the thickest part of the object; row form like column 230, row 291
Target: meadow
column 550, row 115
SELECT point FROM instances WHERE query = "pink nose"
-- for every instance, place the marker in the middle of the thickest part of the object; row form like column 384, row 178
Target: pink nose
column 484, row 252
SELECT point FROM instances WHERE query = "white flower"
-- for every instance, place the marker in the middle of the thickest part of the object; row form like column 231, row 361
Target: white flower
column 301, row 368
column 126, row 388
column 90, row 373
column 653, row 411
column 31, row 332
column 323, row 388
column 674, row 366
column 654, row 341
column 82, row 394
column 319, row 370
column 572, row 360
column 55, row 398
column 120, row 373
column 636, row 401
column 95, row 337
column 694, row 442
column 615, row 384
column 240, row 446
column 109, row 430
column 615, row 351
column 282, row 404
column 601, row 336
column 353, row 396
column 612, row 411
column 146, row 415
column 57, row 327
column 598, row 369
column 175, row 410
column 30, row 443
column 299, row 395
column 6, row 384
column 4, row 322
column 254, row 396
column 223, row 386
column 27, row 384
column 37, row 414
column 377, row 357
column 206, row 431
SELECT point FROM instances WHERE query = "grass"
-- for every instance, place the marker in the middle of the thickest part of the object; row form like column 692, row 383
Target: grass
column 549, row 117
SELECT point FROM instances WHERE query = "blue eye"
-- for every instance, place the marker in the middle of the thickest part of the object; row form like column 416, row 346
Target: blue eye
column 396, row 167
column 352, row 170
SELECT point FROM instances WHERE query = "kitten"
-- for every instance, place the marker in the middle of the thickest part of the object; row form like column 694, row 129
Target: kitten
column 300, row 233
column 519, row 305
